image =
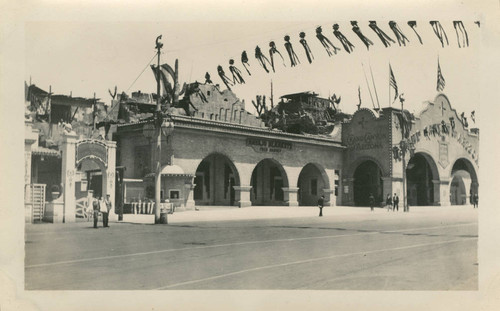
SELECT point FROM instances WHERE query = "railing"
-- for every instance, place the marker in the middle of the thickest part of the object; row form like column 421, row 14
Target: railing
column 146, row 208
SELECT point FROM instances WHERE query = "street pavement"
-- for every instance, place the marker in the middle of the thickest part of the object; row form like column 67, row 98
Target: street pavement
column 349, row 248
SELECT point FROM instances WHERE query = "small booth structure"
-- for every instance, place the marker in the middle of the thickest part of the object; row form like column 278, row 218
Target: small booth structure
column 176, row 193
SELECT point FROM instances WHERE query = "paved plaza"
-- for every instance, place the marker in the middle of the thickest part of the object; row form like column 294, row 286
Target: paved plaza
column 350, row 248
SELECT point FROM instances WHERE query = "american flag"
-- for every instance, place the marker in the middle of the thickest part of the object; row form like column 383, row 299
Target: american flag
column 392, row 82
column 440, row 80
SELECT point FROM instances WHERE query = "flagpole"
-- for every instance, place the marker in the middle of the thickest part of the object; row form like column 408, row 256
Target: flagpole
column 367, row 85
column 390, row 104
column 374, row 86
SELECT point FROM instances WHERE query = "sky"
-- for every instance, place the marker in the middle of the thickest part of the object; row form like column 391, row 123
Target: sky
column 87, row 57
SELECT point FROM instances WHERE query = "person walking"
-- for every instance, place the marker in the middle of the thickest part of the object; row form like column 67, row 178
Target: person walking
column 321, row 202
column 395, row 203
column 107, row 202
column 371, row 199
column 476, row 200
column 95, row 205
column 388, row 202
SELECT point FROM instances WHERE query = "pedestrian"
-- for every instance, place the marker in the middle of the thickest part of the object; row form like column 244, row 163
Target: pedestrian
column 371, row 199
column 321, row 202
column 95, row 205
column 476, row 200
column 388, row 202
column 107, row 202
column 395, row 203
column 104, row 211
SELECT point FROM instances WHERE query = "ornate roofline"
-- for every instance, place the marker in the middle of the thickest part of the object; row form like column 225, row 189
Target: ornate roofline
column 236, row 129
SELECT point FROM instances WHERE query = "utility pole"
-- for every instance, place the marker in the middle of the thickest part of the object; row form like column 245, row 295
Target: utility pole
column 403, row 153
column 158, row 123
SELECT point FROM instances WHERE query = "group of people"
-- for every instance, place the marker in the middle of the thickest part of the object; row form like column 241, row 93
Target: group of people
column 102, row 206
column 392, row 202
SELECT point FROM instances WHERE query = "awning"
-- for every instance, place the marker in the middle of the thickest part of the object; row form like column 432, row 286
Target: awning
column 170, row 170
column 42, row 151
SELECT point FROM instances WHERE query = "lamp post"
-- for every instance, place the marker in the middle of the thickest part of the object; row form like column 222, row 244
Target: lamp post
column 158, row 121
column 161, row 125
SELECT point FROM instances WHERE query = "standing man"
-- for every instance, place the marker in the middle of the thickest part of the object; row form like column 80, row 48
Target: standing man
column 395, row 203
column 108, row 208
column 104, row 210
column 321, row 202
column 476, row 200
column 371, row 199
column 388, row 202
column 95, row 205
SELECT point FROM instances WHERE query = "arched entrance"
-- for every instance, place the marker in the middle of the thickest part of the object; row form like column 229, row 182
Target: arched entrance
column 367, row 179
column 463, row 182
column 268, row 180
column 312, row 181
column 420, row 173
column 88, row 184
column 215, row 179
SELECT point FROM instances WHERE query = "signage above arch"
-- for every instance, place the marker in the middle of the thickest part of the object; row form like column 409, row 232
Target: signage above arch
column 92, row 149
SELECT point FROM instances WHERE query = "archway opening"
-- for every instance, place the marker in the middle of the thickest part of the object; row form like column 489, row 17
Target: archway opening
column 89, row 184
column 463, row 183
column 312, row 181
column 215, row 179
column 268, row 180
column 420, row 173
column 367, row 180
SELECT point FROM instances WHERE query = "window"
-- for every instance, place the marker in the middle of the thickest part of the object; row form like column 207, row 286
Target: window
column 174, row 194
column 314, row 186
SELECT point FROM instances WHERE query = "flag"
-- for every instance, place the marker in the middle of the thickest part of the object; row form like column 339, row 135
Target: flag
column 392, row 82
column 440, row 80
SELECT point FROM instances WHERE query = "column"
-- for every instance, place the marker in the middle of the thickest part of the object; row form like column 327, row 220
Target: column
column 386, row 188
column 68, row 171
column 328, row 194
column 436, row 188
column 347, row 191
column 290, row 196
column 189, row 188
column 443, row 189
column 243, row 193
column 108, row 181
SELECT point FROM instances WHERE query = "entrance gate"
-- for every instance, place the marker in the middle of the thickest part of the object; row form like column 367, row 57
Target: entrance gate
column 100, row 152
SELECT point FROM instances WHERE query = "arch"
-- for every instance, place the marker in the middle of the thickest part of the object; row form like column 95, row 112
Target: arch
column 215, row 178
column 267, row 181
column 354, row 165
column 367, row 180
column 466, row 165
column 96, row 176
column 422, row 176
column 463, row 182
column 311, row 182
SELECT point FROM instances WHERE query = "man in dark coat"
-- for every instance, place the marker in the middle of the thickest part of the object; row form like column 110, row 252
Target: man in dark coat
column 95, row 205
column 371, row 199
column 321, row 202
column 395, row 203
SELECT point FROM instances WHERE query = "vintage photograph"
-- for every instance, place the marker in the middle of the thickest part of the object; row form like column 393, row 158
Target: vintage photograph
column 330, row 155
column 242, row 156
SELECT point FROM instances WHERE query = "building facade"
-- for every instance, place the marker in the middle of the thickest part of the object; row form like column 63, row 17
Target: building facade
column 220, row 154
